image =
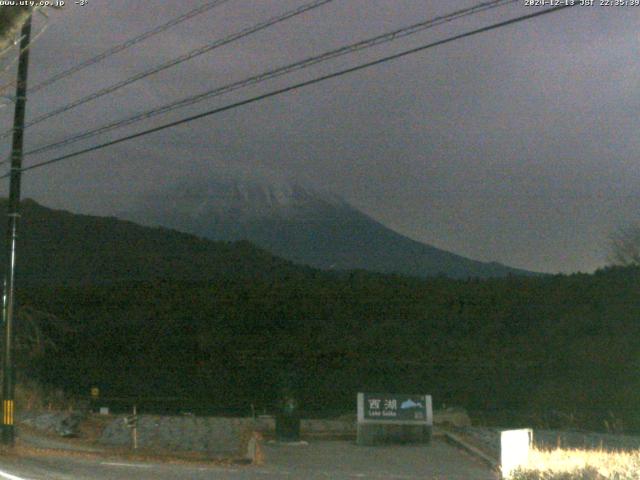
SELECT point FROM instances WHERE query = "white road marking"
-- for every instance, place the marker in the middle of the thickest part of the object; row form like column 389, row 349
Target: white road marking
column 271, row 472
column 118, row 464
column 8, row 476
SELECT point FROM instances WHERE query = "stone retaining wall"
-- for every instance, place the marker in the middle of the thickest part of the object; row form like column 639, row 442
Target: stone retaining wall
column 217, row 435
column 186, row 433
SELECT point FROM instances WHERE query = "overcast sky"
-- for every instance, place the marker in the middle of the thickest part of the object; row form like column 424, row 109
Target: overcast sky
column 518, row 145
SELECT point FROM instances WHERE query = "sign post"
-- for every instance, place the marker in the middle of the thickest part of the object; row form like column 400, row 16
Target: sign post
column 132, row 423
column 394, row 418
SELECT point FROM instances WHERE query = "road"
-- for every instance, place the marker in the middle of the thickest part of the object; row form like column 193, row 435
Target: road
column 333, row 460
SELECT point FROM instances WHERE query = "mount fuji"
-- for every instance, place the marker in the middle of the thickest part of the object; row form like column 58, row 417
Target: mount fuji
column 300, row 224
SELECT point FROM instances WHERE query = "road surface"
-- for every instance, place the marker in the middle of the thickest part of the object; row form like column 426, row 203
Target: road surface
column 335, row 460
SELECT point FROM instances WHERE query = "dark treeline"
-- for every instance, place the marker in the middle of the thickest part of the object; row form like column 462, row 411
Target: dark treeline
column 563, row 349
column 150, row 312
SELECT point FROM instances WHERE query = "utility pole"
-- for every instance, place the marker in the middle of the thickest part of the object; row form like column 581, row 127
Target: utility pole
column 13, row 213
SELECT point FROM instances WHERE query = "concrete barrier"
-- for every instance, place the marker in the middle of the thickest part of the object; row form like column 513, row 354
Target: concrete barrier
column 347, row 425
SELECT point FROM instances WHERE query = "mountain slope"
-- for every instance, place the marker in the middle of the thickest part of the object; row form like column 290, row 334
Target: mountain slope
column 301, row 225
column 61, row 247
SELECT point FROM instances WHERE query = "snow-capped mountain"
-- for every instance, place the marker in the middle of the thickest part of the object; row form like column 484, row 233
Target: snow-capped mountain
column 300, row 224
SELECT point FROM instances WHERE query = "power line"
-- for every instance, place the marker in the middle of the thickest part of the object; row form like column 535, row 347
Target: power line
column 278, row 72
column 296, row 86
column 176, row 61
column 129, row 43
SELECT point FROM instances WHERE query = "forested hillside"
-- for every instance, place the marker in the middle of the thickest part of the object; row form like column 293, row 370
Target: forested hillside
column 58, row 247
column 558, row 349
column 149, row 312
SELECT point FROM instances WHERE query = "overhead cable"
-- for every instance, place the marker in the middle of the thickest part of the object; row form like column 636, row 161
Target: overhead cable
column 277, row 72
column 176, row 61
column 127, row 44
column 296, row 86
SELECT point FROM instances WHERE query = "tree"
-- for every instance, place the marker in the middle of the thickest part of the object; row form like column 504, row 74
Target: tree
column 625, row 246
column 11, row 20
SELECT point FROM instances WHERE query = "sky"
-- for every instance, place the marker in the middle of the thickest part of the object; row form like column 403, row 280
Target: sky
column 518, row 145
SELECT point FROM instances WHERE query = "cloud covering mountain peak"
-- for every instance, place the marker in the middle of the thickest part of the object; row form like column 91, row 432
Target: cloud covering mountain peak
column 300, row 223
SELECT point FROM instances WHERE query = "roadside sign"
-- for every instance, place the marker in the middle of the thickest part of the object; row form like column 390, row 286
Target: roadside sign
column 131, row 421
column 401, row 409
column 95, row 392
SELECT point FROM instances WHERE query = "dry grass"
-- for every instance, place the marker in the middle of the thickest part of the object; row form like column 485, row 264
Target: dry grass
column 561, row 464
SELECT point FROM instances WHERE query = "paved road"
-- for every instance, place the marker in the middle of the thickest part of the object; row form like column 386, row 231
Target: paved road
column 317, row 460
